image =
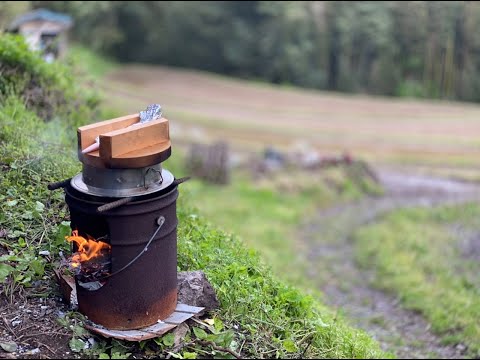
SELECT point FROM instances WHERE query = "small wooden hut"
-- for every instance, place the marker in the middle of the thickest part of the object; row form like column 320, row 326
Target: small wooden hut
column 45, row 31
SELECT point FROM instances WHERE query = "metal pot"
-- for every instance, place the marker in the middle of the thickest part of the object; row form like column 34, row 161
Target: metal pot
column 121, row 182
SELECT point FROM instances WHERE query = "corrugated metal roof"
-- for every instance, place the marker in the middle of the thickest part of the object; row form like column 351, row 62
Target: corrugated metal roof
column 41, row 14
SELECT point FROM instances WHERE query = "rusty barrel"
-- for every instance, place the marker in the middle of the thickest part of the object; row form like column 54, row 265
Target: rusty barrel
column 145, row 291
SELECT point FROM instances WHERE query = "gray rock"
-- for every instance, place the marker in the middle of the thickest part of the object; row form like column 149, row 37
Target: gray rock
column 194, row 289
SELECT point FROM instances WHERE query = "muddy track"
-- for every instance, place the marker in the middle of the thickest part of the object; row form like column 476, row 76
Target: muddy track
column 332, row 267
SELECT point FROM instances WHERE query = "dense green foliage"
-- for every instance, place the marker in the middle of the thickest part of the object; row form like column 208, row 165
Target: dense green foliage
column 30, row 158
column 403, row 48
column 33, row 153
column 430, row 260
column 48, row 90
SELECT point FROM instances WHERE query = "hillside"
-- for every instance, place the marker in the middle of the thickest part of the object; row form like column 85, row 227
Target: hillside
column 260, row 316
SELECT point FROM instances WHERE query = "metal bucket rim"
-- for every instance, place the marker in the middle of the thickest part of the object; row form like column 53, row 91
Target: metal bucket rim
column 132, row 203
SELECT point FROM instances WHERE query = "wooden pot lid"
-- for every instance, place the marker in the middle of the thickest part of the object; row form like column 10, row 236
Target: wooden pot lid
column 123, row 145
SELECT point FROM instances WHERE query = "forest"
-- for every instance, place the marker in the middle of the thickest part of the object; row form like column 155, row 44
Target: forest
column 425, row 49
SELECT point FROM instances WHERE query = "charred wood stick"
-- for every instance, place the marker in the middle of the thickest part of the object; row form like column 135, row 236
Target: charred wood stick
column 218, row 348
column 114, row 204
column 181, row 180
column 58, row 185
column 126, row 200
column 8, row 327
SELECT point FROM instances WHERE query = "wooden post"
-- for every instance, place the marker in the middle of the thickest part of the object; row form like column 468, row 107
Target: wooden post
column 209, row 162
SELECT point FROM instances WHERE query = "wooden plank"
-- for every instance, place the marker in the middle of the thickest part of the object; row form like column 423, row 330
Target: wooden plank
column 134, row 138
column 67, row 287
column 88, row 133
column 182, row 313
column 133, row 335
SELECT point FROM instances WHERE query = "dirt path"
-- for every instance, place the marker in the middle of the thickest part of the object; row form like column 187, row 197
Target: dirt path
column 346, row 287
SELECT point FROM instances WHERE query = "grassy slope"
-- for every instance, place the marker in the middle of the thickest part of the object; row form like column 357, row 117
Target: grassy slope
column 405, row 250
column 418, row 255
column 278, row 319
column 261, row 316
column 90, row 63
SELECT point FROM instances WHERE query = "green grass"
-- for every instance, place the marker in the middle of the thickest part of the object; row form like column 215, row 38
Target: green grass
column 90, row 63
column 32, row 154
column 279, row 319
column 267, row 213
column 418, row 256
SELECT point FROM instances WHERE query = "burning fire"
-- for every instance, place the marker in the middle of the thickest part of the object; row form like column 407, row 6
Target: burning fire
column 88, row 249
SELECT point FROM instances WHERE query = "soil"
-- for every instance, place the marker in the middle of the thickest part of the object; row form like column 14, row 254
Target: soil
column 331, row 260
column 31, row 324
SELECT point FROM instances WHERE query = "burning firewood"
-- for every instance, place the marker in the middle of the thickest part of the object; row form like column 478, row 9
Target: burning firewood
column 91, row 261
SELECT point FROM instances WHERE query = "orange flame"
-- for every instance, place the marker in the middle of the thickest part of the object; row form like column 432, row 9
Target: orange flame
column 87, row 248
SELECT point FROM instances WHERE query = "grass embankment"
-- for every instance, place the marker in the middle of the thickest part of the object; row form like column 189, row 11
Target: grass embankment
column 266, row 213
column 260, row 316
column 89, row 62
column 430, row 259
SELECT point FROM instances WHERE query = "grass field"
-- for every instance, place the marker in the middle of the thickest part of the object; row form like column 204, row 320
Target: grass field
column 440, row 136
column 266, row 214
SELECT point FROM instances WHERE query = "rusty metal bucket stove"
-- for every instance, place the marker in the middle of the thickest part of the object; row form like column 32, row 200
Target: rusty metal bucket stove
column 130, row 201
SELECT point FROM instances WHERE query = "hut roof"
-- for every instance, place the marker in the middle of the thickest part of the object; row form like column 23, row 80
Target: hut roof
column 41, row 14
